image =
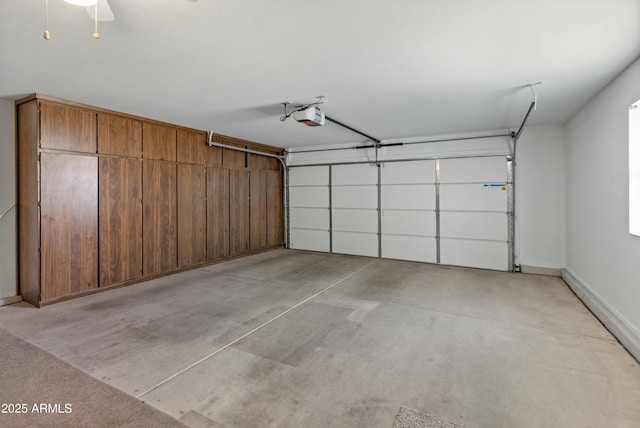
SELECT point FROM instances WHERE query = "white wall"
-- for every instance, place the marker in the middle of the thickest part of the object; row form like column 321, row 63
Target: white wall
column 540, row 198
column 540, row 208
column 8, row 283
column 603, row 259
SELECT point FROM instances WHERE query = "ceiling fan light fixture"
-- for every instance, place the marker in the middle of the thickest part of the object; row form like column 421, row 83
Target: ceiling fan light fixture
column 82, row 2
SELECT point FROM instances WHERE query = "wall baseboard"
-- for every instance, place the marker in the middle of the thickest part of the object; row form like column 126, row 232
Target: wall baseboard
column 627, row 334
column 10, row 300
column 541, row 270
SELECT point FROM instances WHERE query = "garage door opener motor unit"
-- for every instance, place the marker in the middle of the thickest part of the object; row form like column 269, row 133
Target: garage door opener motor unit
column 311, row 116
column 307, row 114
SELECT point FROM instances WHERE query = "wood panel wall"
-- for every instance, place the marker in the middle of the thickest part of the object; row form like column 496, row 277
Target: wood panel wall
column 125, row 198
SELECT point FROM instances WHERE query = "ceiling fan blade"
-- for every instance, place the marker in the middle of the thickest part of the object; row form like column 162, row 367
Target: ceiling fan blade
column 104, row 11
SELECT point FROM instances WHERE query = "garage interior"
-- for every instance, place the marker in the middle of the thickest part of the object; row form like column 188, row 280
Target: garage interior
column 414, row 214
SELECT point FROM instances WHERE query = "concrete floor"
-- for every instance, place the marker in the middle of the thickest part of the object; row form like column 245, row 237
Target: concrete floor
column 479, row 348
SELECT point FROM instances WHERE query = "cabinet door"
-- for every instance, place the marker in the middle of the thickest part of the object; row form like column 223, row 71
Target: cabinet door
column 68, row 128
column 234, row 158
column 119, row 135
column 120, row 220
column 69, row 224
column 238, row 211
column 263, row 162
column 158, row 142
column 258, row 206
column 217, row 213
column 213, row 155
column 192, row 214
column 191, row 147
column 160, row 251
column 275, row 212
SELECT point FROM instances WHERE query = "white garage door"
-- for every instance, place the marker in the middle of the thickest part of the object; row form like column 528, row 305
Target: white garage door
column 448, row 211
column 309, row 221
column 408, row 210
column 354, row 209
column 473, row 213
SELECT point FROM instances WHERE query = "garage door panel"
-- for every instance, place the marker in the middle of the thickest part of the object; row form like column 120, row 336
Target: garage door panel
column 413, row 248
column 309, row 176
column 354, row 174
column 313, row 240
column 421, row 197
column 473, row 170
column 355, row 220
column 309, row 197
column 362, row 244
column 355, row 197
column 309, row 218
column 491, row 226
column 472, row 197
column 420, row 223
column 480, row 254
column 408, row 172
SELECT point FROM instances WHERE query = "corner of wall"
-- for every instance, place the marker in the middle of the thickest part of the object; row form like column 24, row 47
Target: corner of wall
column 540, row 200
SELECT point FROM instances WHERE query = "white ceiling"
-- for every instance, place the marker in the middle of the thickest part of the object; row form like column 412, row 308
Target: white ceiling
column 390, row 68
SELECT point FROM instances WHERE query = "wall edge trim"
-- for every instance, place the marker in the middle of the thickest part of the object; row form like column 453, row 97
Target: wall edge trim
column 626, row 333
column 537, row 269
column 10, row 300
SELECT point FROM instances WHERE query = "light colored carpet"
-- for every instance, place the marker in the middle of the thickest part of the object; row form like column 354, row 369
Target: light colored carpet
column 409, row 418
column 50, row 393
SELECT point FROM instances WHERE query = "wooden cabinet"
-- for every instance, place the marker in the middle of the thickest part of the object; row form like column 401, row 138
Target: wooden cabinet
column 275, row 208
column 191, row 147
column 69, row 224
column 234, row 158
column 192, row 215
column 120, row 220
column 119, row 136
column 160, row 237
column 258, row 209
column 239, row 211
column 217, row 213
column 160, row 249
column 158, row 142
column 28, row 200
column 107, row 199
column 68, row 128
column 263, row 162
column 57, row 202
